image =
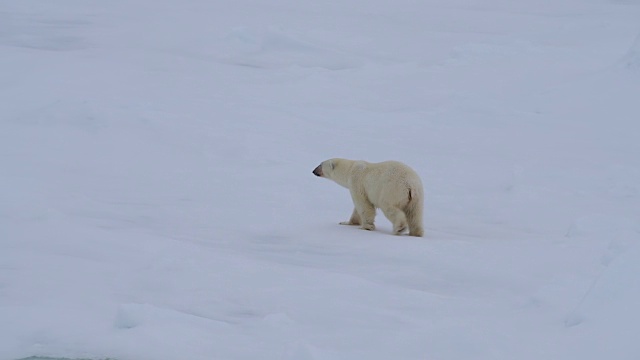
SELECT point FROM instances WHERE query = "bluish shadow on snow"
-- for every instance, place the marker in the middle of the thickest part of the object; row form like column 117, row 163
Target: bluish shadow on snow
column 58, row 358
column 273, row 47
column 632, row 59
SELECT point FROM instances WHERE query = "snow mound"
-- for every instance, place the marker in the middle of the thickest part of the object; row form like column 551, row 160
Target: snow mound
column 274, row 48
column 57, row 33
column 610, row 307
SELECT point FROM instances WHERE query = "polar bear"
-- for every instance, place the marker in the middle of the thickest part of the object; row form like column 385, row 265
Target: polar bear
column 390, row 186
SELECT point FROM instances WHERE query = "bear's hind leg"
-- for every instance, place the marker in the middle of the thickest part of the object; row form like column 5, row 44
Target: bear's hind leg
column 414, row 217
column 397, row 218
column 354, row 220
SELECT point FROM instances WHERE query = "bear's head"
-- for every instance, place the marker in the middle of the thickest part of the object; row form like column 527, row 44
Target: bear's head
column 324, row 169
column 334, row 169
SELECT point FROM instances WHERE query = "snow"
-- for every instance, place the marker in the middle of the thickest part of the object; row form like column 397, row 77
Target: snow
column 157, row 200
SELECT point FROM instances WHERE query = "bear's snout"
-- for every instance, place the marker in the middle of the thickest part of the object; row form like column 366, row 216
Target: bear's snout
column 318, row 171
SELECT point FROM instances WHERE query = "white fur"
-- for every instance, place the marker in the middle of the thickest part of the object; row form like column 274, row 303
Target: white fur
column 390, row 186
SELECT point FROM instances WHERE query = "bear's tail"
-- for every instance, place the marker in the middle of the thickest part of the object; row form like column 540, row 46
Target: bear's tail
column 413, row 211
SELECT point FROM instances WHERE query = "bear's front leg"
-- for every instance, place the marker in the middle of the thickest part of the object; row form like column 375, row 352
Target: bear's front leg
column 365, row 209
column 367, row 213
column 354, row 220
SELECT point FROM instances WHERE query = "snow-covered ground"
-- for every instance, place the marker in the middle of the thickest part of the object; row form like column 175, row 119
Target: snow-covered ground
column 157, row 201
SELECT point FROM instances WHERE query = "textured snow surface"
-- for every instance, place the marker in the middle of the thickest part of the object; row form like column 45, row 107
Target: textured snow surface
column 157, row 201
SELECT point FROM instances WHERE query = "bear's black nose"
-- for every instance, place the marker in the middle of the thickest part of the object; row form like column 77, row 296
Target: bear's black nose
column 318, row 171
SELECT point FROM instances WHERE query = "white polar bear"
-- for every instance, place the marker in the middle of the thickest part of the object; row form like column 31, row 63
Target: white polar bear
column 390, row 186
